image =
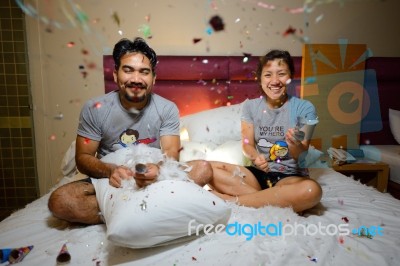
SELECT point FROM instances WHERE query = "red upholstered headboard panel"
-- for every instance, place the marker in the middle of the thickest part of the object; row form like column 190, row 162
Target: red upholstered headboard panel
column 197, row 83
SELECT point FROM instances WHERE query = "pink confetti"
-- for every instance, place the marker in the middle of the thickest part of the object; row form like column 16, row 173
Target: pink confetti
column 97, row 105
column 263, row 5
column 70, row 44
column 295, row 10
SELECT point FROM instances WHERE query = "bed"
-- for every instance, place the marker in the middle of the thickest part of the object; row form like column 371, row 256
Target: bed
column 372, row 218
column 344, row 201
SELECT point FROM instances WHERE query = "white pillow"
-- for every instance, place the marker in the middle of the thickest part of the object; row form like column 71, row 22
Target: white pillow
column 68, row 165
column 160, row 214
column 214, row 126
column 229, row 152
column 394, row 120
column 194, row 151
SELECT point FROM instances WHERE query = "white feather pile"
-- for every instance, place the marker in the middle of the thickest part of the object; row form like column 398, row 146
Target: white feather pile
column 170, row 169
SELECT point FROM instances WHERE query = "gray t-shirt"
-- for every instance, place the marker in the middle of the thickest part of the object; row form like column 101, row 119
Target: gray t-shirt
column 270, row 127
column 104, row 119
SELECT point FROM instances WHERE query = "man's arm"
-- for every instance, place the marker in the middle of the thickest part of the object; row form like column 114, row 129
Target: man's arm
column 170, row 145
column 87, row 162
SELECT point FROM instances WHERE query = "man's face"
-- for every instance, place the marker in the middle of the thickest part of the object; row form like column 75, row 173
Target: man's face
column 134, row 77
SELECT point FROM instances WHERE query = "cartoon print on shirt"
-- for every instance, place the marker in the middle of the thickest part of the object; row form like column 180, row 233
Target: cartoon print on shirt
column 130, row 137
column 278, row 151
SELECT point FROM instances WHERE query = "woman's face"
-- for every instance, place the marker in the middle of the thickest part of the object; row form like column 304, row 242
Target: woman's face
column 275, row 76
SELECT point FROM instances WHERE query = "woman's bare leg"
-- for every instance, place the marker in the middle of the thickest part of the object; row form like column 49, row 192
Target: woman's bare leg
column 296, row 192
column 233, row 179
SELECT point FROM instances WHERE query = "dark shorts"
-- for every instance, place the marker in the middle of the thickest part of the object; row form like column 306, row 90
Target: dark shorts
column 269, row 179
column 87, row 180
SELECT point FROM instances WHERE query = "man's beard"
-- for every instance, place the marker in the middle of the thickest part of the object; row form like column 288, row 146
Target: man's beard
column 136, row 99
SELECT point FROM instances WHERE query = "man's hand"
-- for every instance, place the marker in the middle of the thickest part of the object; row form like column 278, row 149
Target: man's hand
column 119, row 173
column 149, row 177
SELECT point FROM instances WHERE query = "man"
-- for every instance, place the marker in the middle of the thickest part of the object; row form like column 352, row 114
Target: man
column 130, row 115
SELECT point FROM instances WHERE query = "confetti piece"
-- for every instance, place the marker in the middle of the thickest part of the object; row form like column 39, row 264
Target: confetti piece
column 246, row 57
column 60, row 116
column 145, row 29
column 295, row 10
column 97, row 105
column 70, row 44
column 196, row 40
column 217, row 23
column 147, row 18
column 143, row 205
column 116, row 19
column 86, row 141
column 289, row 31
column 319, row 18
column 345, row 219
column 52, row 137
column 266, row 6
column 313, row 259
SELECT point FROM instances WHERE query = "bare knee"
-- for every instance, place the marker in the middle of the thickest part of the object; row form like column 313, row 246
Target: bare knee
column 310, row 193
column 201, row 172
column 75, row 202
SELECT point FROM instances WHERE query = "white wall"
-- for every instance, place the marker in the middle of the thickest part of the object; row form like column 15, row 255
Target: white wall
column 58, row 86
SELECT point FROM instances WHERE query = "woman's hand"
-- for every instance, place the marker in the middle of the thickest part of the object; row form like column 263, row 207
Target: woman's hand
column 296, row 146
column 261, row 163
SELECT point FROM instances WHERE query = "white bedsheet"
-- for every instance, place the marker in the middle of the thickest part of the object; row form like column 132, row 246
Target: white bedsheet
column 389, row 154
column 343, row 200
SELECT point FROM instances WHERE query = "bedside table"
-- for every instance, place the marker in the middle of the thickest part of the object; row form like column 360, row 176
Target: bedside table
column 376, row 172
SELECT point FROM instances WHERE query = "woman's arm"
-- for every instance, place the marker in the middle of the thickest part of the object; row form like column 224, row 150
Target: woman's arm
column 249, row 147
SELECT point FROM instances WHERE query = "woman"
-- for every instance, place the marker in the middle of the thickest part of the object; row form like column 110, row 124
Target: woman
column 273, row 143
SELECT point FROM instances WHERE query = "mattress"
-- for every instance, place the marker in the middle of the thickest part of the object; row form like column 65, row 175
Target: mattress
column 344, row 201
column 389, row 154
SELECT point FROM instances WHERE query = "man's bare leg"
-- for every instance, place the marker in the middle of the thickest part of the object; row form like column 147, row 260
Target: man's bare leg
column 75, row 202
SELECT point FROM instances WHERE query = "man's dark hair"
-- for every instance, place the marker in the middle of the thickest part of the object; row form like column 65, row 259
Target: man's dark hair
column 138, row 45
